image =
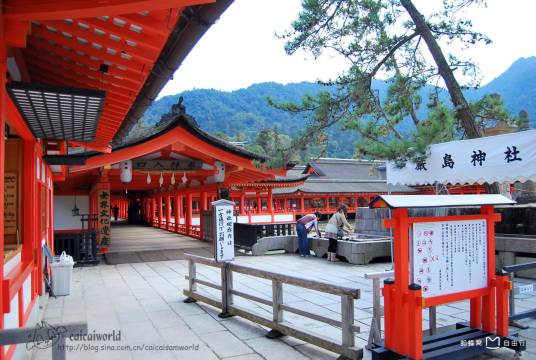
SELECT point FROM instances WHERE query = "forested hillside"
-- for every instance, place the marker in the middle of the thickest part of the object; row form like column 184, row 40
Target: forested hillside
column 242, row 113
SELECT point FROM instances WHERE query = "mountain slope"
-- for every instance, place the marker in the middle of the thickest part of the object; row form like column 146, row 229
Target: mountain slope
column 246, row 111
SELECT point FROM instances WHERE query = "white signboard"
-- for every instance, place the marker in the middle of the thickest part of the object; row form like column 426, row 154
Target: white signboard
column 502, row 158
column 223, row 231
column 450, row 256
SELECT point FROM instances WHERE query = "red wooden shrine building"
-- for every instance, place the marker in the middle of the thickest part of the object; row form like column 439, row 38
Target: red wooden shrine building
column 76, row 75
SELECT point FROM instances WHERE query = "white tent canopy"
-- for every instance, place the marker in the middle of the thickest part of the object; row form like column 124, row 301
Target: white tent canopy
column 501, row 158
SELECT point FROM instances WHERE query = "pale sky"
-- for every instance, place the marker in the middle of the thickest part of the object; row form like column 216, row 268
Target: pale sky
column 241, row 48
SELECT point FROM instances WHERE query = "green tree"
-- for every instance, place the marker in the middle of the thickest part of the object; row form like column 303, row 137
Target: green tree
column 391, row 38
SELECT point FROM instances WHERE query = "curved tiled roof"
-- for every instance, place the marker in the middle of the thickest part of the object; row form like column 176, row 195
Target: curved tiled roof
column 170, row 121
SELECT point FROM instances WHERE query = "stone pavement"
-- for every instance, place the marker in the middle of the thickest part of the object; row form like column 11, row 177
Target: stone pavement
column 144, row 302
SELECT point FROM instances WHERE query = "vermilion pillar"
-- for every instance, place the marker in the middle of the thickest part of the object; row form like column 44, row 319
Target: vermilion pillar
column 241, row 203
column 160, row 217
column 202, row 209
column 178, row 210
column 2, row 156
column 188, row 214
column 30, row 213
column 302, row 204
column 270, row 201
column 153, row 210
column 168, row 211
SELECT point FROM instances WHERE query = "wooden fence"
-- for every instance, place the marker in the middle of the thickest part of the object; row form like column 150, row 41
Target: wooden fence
column 55, row 334
column 279, row 327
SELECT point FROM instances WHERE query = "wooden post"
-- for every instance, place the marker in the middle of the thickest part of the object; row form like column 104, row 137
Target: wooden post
column 388, row 288
column 226, row 288
column 302, row 204
column 432, row 316
column 58, row 348
column 347, row 312
column 503, row 288
column 377, row 312
column 192, row 286
column 488, row 301
column 414, row 324
column 277, row 301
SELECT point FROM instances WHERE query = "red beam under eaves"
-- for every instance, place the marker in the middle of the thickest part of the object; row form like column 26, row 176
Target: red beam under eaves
column 61, row 9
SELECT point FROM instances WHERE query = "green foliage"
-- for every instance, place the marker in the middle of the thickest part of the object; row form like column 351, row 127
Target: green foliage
column 385, row 36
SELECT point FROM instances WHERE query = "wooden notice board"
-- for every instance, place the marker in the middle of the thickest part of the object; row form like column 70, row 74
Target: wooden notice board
column 11, row 203
column 12, row 191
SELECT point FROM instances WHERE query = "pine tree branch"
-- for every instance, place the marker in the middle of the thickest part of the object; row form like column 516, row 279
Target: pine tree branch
column 391, row 52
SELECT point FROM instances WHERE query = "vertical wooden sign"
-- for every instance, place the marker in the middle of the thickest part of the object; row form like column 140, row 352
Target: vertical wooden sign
column 10, row 203
column 223, row 230
column 103, row 224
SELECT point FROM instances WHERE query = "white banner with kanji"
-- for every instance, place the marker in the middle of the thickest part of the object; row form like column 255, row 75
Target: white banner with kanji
column 501, row 158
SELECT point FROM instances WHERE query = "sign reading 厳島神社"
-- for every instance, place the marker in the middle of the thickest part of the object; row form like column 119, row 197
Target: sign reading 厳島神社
column 449, row 256
column 501, row 158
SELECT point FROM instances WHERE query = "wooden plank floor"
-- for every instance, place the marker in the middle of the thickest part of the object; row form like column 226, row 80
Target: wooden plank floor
column 138, row 243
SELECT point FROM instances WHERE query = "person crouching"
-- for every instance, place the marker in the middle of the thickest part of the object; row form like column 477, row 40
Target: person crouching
column 303, row 227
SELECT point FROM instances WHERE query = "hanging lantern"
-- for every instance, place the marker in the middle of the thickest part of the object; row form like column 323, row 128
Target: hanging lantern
column 126, row 191
column 184, row 178
column 126, row 171
column 219, row 177
column 75, row 210
column 161, row 180
column 173, row 179
column 148, row 178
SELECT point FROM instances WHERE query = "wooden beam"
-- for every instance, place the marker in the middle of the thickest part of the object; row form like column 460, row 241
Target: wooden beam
column 85, row 73
column 40, row 33
column 141, row 52
column 88, row 145
column 45, row 46
column 56, row 10
column 153, row 24
column 148, row 40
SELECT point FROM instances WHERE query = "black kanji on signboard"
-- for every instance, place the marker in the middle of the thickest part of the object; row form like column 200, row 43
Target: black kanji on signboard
column 420, row 164
column 511, row 154
column 478, row 157
column 447, row 161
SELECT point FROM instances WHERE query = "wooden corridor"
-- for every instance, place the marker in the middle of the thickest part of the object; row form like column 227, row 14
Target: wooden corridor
column 138, row 243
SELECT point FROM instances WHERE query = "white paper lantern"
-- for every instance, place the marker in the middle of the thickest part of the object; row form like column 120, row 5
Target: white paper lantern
column 161, row 180
column 219, row 176
column 148, row 178
column 126, row 171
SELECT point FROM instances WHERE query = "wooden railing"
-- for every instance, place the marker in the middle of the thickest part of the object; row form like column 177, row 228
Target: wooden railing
column 277, row 324
column 55, row 334
column 377, row 309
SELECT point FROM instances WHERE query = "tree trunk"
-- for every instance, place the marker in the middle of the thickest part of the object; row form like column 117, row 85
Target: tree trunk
column 460, row 104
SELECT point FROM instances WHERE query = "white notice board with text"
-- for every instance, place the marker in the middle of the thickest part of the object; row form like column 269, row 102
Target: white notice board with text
column 450, row 256
column 224, row 230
